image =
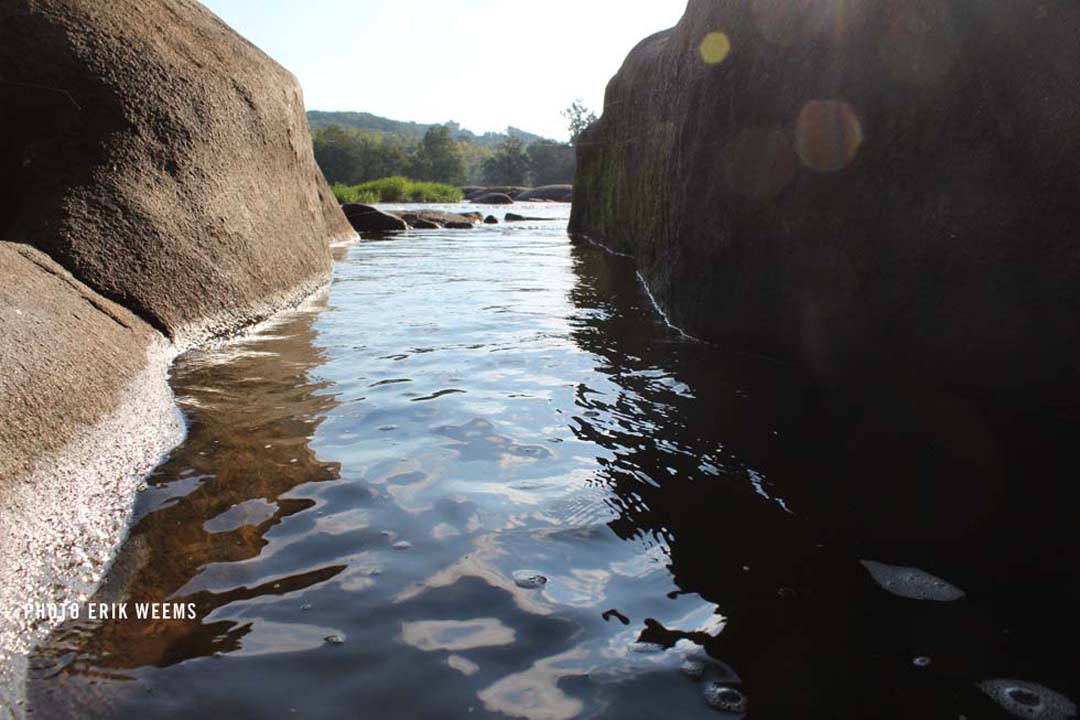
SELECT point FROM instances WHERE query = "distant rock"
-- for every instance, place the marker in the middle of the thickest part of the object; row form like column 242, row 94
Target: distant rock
column 365, row 218
column 493, row 199
column 547, row 193
column 423, row 219
column 491, row 220
column 514, row 217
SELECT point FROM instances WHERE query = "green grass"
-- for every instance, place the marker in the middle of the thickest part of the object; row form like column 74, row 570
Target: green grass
column 397, row 189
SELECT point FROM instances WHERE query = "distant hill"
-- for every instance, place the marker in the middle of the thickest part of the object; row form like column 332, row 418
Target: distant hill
column 374, row 123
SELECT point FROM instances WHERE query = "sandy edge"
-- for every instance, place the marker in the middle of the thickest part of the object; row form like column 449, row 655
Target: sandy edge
column 62, row 523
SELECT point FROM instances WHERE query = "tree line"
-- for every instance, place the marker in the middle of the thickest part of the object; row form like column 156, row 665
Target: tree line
column 351, row 156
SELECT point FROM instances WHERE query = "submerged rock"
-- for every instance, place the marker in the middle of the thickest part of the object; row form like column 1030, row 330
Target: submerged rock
column 888, row 191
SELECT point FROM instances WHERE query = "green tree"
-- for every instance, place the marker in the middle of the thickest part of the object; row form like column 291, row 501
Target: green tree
column 509, row 165
column 438, row 158
column 337, row 154
column 578, row 118
column 551, row 163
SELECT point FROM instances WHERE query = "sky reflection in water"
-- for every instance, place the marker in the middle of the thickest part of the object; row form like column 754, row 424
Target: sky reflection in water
column 375, row 468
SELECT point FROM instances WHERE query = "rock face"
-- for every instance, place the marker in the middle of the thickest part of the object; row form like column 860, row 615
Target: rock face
column 162, row 159
column 864, row 185
column 65, row 352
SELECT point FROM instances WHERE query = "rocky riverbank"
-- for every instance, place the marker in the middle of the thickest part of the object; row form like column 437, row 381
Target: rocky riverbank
column 157, row 189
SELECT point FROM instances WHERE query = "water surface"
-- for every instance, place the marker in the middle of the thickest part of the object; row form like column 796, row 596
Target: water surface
column 369, row 485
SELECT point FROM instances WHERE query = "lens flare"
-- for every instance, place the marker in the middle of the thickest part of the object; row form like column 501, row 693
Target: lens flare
column 827, row 135
column 715, row 48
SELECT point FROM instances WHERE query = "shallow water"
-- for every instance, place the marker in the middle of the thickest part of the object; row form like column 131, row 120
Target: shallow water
column 481, row 479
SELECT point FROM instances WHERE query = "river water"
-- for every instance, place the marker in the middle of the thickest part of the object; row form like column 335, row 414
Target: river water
column 371, row 486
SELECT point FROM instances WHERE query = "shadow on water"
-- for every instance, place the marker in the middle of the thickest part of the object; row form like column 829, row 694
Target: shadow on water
column 470, row 410
column 772, row 491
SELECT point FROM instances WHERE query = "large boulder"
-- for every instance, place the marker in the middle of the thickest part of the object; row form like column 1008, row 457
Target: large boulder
column 162, row 159
column 365, row 218
column 156, row 172
column 493, row 199
column 550, row 193
column 890, row 186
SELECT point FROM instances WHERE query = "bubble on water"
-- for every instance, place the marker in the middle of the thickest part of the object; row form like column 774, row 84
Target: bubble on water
column 305, row 607
column 921, row 661
column 725, row 697
column 334, row 640
column 912, row 583
column 1029, row 700
column 402, row 545
column 529, row 579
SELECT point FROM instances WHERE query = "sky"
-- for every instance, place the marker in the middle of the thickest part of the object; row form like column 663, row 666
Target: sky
column 486, row 64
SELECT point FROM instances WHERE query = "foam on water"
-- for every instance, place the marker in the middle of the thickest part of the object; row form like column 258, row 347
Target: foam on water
column 1029, row 700
column 529, row 579
column 725, row 698
column 912, row 583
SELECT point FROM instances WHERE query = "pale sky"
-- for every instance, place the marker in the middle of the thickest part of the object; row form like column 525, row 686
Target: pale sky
column 484, row 63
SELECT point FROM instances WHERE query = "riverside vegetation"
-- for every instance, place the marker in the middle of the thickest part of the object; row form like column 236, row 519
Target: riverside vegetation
column 354, row 149
column 397, row 189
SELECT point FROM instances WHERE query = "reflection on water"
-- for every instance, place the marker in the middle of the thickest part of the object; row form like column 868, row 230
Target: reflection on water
column 372, row 486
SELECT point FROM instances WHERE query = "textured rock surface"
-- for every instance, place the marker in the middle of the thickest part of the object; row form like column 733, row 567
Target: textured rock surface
column 87, row 411
column 865, row 185
column 162, row 159
column 66, row 352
